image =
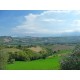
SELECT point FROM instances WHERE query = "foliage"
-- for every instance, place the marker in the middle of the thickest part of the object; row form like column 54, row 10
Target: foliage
column 18, row 56
column 72, row 61
column 3, row 60
column 11, row 61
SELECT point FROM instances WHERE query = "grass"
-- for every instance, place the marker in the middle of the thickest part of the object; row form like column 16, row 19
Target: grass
column 51, row 63
column 47, row 64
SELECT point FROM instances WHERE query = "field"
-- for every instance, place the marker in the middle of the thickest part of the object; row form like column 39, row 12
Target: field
column 51, row 63
column 47, row 64
column 36, row 49
column 57, row 47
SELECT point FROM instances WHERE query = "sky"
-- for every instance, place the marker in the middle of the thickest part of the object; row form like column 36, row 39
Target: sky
column 38, row 22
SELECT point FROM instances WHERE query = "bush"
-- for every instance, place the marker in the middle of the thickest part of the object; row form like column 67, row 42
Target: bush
column 71, row 62
column 11, row 61
column 18, row 56
column 3, row 60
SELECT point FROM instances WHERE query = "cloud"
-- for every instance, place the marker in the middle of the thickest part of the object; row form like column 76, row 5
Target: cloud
column 32, row 24
column 77, row 12
column 55, row 11
column 48, row 22
column 76, row 23
column 52, row 20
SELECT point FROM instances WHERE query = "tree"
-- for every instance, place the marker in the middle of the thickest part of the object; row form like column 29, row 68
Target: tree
column 72, row 61
column 19, row 46
column 11, row 61
column 3, row 60
column 18, row 56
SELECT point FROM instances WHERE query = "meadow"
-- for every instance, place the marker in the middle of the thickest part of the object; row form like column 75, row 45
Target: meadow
column 50, row 63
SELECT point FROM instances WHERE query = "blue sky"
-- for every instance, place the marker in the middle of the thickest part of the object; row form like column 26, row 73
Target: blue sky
column 38, row 22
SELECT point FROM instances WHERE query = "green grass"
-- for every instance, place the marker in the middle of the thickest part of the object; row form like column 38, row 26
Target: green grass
column 46, row 64
column 51, row 63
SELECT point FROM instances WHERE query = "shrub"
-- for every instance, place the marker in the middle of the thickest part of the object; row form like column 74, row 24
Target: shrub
column 3, row 60
column 11, row 61
column 55, row 51
column 18, row 56
column 71, row 62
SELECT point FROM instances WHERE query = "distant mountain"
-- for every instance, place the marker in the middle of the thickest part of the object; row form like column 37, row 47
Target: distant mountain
column 75, row 33
column 5, row 39
column 8, row 40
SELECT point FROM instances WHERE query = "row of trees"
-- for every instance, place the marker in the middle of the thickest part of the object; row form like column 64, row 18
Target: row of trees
column 27, row 55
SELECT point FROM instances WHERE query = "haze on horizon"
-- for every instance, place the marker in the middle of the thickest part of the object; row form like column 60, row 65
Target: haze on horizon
column 39, row 22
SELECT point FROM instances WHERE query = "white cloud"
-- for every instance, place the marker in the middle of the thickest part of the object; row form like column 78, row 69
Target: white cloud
column 31, row 17
column 32, row 25
column 69, row 31
column 55, row 11
column 48, row 22
column 77, row 12
column 76, row 23
column 52, row 20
